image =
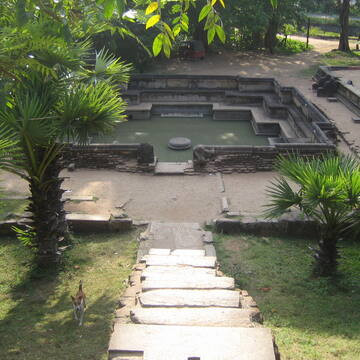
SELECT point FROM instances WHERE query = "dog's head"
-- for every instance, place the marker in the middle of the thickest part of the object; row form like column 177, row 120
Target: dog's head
column 77, row 303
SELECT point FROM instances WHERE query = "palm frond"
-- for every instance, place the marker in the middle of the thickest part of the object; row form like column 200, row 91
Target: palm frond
column 107, row 68
column 282, row 197
column 87, row 109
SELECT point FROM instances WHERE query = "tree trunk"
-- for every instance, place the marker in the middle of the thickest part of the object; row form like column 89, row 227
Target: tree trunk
column 327, row 255
column 344, row 25
column 48, row 215
column 271, row 34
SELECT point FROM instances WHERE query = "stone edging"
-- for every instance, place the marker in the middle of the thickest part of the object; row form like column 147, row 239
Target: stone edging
column 78, row 223
column 264, row 227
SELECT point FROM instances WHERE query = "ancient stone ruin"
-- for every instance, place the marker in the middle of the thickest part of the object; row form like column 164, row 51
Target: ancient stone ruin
column 290, row 122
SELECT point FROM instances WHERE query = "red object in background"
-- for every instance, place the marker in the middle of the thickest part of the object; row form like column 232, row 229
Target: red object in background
column 191, row 50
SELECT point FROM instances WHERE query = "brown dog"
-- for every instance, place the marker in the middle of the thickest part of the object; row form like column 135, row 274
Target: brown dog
column 79, row 304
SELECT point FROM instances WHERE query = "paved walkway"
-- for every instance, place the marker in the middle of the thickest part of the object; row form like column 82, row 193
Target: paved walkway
column 180, row 307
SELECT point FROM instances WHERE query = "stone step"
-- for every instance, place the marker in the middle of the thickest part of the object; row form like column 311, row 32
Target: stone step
column 193, row 317
column 180, row 252
column 190, row 298
column 188, row 252
column 159, row 342
column 170, row 168
column 153, row 251
column 207, row 282
column 176, row 271
column 174, row 235
column 171, row 260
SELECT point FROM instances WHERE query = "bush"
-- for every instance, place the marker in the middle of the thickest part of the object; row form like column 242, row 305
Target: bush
column 291, row 46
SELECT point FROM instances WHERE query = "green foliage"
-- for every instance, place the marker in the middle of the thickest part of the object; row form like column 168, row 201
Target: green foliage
column 27, row 237
column 325, row 189
column 291, row 46
column 311, row 318
column 61, row 94
column 331, row 20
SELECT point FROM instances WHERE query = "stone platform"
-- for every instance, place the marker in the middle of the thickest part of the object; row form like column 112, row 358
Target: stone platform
column 179, row 306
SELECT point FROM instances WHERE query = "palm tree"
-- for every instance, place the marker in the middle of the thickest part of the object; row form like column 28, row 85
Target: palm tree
column 45, row 109
column 326, row 189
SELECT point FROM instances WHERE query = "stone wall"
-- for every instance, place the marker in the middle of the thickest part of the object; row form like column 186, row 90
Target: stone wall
column 348, row 92
column 124, row 157
column 143, row 82
column 285, row 226
column 245, row 159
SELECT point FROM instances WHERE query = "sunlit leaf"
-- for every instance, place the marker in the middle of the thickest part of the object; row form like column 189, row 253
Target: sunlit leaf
column 176, row 30
column 210, row 35
column 166, row 49
column 274, row 3
column 220, row 33
column 151, row 8
column 213, row 2
column 157, row 44
column 152, row 21
column 109, row 7
column 169, row 31
column 222, row 3
column 204, row 12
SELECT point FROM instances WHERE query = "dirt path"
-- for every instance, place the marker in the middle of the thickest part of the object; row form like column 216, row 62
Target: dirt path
column 198, row 198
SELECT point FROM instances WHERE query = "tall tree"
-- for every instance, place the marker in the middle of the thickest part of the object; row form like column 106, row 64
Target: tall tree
column 51, row 94
column 344, row 25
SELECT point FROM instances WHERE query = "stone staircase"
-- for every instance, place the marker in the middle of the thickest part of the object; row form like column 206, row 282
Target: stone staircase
column 179, row 306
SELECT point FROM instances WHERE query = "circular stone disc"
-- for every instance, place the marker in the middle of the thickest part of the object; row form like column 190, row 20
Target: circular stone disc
column 179, row 143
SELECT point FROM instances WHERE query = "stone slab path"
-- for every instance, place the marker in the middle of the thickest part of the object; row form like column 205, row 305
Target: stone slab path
column 173, row 236
column 179, row 306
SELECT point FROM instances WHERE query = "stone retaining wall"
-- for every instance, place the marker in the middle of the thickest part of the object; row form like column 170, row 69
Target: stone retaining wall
column 124, row 157
column 348, row 92
column 263, row 227
column 245, row 159
column 78, row 223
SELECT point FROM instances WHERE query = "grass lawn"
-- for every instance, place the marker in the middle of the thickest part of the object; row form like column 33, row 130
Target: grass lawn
column 333, row 58
column 36, row 319
column 310, row 318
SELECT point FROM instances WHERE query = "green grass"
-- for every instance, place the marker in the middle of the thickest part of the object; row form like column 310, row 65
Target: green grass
column 35, row 309
column 339, row 58
column 292, row 46
column 310, row 318
column 13, row 206
column 333, row 58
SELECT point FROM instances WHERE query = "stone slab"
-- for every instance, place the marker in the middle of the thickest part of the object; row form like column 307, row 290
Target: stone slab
column 183, row 342
column 190, row 298
column 174, row 236
column 224, row 205
column 79, row 197
column 87, row 217
column 210, row 250
column 175, row 271
column 159, row 251
column 170, row 168
column 192, row 317
column 196, row 261
column 209, row 282
column 208, row 237
column 188, row 252
column 221, row 182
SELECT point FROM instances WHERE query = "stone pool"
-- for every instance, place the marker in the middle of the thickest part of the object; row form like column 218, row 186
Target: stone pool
column 200, row 130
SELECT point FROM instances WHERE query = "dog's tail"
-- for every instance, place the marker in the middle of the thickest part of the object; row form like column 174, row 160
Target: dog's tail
column 80, row 285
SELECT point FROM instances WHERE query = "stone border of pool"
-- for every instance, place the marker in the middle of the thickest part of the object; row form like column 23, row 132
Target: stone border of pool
column 345, row 91
column 295, row 124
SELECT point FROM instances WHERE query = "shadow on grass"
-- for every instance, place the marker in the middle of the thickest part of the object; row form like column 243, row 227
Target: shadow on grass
column 36, row 314
column 277, row 273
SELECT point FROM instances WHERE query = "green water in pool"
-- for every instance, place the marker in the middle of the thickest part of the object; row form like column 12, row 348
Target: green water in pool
column 200, row 130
